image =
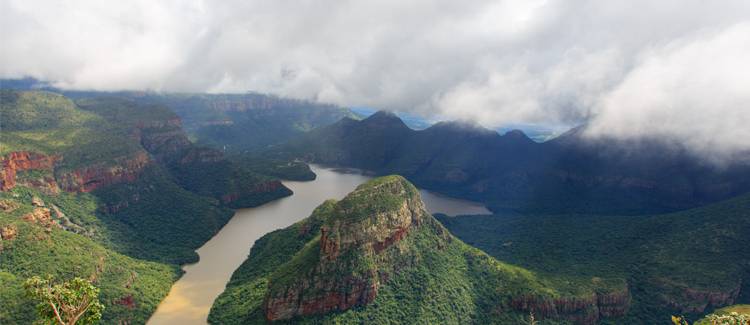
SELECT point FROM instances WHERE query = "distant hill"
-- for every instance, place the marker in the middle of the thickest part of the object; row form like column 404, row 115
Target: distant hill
column 378, row 257
column 568, row 174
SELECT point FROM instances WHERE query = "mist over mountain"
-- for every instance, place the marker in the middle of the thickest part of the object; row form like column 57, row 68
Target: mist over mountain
column 572, row 172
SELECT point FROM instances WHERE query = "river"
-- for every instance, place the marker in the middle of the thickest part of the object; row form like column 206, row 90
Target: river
column 191, row 297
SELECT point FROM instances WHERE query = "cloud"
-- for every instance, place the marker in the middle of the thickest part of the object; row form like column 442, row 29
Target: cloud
column 694, row 90
column 523, row 61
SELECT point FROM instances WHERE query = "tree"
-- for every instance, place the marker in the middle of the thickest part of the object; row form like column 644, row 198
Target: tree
column 75, row 302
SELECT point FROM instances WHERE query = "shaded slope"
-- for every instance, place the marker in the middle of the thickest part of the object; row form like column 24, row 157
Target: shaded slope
column 688, row 262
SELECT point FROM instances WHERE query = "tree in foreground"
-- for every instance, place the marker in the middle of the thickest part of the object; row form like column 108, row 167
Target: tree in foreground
column 713, row 319
column 75, row 302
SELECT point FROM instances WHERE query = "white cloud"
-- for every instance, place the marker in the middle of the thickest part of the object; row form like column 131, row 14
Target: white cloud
column 695, row 91
column 541, row 61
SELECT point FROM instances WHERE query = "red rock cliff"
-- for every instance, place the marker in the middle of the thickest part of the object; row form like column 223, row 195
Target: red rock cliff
column 17, row 161
column 90, row 178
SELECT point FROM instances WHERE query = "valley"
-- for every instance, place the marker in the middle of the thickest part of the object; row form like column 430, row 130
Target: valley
column 113, row 188
column 191, row 297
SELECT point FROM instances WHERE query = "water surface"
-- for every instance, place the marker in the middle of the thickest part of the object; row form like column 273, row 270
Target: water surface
column 191, row 297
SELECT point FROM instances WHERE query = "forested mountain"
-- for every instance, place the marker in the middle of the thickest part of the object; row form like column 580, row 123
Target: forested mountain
column 571, row 173
column 377, row 256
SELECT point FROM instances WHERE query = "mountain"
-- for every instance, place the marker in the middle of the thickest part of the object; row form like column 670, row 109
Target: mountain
column 685, row 263
column 571, row 173
column 377, row 256
column 110, row 189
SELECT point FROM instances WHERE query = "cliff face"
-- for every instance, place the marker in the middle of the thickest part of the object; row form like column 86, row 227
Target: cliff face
column 17, row 161
column 163, row 139
column 93, row 177
column 85, row 179
column 697, row 301
column 348, row 264
column 579, row 310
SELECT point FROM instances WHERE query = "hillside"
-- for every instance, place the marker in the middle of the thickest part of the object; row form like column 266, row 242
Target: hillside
column 124, row 187
column 569, row 174
column 377, row 256
column 65, row 239
column 684, row 263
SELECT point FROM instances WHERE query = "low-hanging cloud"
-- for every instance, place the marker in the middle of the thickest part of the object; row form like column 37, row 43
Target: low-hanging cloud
column 629, row 68
column 696, row 90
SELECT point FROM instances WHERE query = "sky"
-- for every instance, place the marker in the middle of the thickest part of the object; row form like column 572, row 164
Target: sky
column 676, row 69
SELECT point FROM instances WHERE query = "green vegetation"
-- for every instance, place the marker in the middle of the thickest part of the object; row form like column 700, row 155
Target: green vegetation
column 50, row 123
column 167, row 223
column 282, row 169
column 68, row 303
column 432, row 276
column 36, row 249
column 660, row 256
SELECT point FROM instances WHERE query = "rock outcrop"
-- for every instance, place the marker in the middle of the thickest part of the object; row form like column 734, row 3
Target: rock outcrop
column 42, row 217
column 345, row 273
column 8, row 205
column 7, row 233
column 17, row 161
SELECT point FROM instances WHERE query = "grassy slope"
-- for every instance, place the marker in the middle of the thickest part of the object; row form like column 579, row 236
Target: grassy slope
column 64, row 254
column 454, row 284
column 703, row 248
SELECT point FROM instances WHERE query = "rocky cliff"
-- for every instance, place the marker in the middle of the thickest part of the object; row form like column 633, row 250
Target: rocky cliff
column 696, row 301
column 17, row 161
column 579, row 310
column 89, row 178
column 348, row 264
